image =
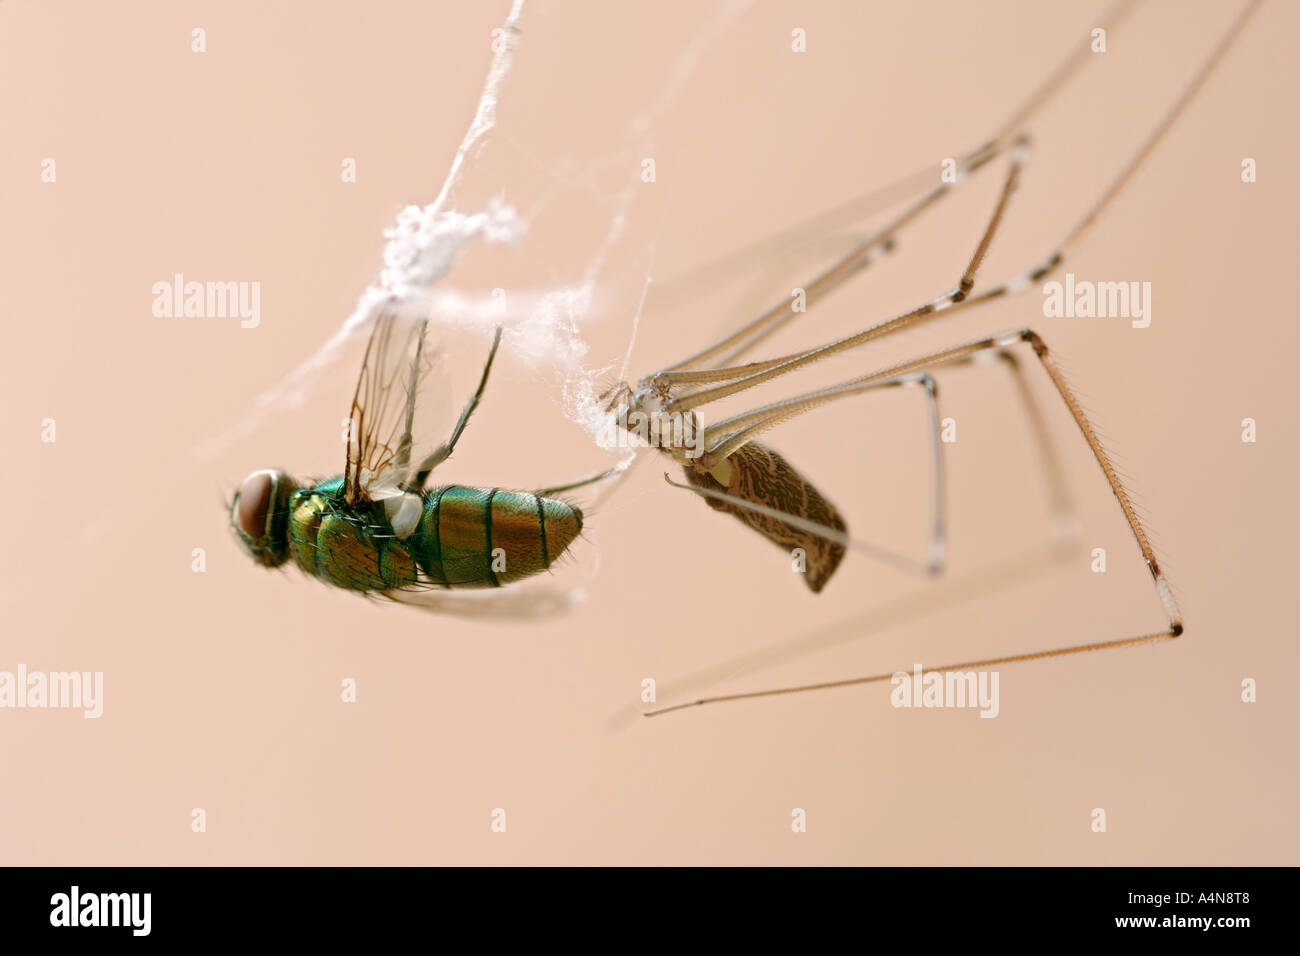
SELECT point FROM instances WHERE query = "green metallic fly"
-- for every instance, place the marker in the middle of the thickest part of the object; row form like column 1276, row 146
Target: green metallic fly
column 378, row 528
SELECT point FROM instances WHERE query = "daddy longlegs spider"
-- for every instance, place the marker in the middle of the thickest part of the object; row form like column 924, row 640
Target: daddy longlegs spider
column 735, row 473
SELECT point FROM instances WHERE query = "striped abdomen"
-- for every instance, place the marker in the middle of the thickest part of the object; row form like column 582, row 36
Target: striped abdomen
column 487, row 537
column 465, row 538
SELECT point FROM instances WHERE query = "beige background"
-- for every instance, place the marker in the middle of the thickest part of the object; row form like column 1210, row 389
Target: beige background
column 222, row 688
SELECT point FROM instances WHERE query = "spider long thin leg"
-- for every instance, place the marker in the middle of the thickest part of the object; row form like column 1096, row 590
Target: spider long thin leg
column 857, row 209
column 443, row 451
column 861, row 256
column 1065, row 528
column 1085, row 427
column 948, row 356
column 738, row 378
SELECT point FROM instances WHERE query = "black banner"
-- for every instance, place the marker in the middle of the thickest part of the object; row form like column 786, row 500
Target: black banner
column 910, row 905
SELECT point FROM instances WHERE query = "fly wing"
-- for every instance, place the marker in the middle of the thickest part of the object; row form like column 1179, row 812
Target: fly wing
column 522, row 603
column 397, row 360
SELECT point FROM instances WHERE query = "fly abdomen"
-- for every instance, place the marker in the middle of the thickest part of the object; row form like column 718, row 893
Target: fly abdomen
column 489, row 537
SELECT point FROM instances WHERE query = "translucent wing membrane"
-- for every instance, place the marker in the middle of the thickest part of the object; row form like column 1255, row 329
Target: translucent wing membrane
column 525, row 602
column 398, row 359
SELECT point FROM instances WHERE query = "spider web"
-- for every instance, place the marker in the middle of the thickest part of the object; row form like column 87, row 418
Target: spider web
column 543, row 325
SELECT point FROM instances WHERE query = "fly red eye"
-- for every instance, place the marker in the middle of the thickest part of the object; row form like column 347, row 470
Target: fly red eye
column 254, row 501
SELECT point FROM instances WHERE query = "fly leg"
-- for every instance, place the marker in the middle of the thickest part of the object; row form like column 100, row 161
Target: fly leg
column 607, row 473
column 443, row 451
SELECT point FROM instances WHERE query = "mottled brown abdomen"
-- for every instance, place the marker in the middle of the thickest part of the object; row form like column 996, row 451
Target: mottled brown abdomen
column 761, row 475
